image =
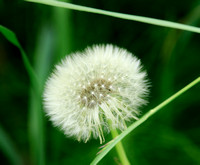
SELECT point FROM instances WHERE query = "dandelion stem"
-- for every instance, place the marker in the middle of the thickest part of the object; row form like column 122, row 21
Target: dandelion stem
column 143, row 119
column 120, row 149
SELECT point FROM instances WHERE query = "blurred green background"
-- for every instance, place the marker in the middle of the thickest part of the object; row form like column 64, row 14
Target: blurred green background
column 171, row 58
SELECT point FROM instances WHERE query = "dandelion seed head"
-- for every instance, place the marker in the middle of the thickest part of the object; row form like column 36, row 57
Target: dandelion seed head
column 88, row 89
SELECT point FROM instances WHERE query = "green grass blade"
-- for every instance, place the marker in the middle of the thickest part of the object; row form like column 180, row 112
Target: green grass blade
column 36, row 130
column 7, row 147
column 148, row 20
column 42, row 63
column 63, row 42
column 10, row 36
column 142, row 120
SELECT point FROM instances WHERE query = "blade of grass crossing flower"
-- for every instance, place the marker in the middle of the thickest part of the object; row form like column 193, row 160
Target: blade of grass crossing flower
column 10, row 36
column 142, row 120
column 7, row 147
column 148, row 20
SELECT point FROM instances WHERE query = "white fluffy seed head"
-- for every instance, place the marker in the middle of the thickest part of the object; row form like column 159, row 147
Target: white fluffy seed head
column 86, row 90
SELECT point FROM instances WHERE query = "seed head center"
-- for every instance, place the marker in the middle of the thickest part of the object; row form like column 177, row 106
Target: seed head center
column 95, row 92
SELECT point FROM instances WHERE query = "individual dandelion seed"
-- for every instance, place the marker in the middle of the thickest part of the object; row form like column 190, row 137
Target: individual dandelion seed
column 96, row 90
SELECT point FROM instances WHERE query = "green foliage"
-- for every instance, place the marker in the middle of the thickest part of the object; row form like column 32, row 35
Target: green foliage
column 171, row 58
column 10, row 36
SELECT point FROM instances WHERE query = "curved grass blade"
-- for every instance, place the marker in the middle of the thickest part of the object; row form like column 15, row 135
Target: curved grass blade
column 105, row 150
column 148, row 20
column 10, row 36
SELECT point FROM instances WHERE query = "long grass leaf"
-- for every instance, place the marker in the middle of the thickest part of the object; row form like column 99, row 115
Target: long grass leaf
column 10, row 36
column 63, row 41
column 142, row 120
column 42, row 63
column 148, row 20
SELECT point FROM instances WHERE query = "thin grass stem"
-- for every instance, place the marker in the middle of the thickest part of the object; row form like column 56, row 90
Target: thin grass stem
column 142, row 19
